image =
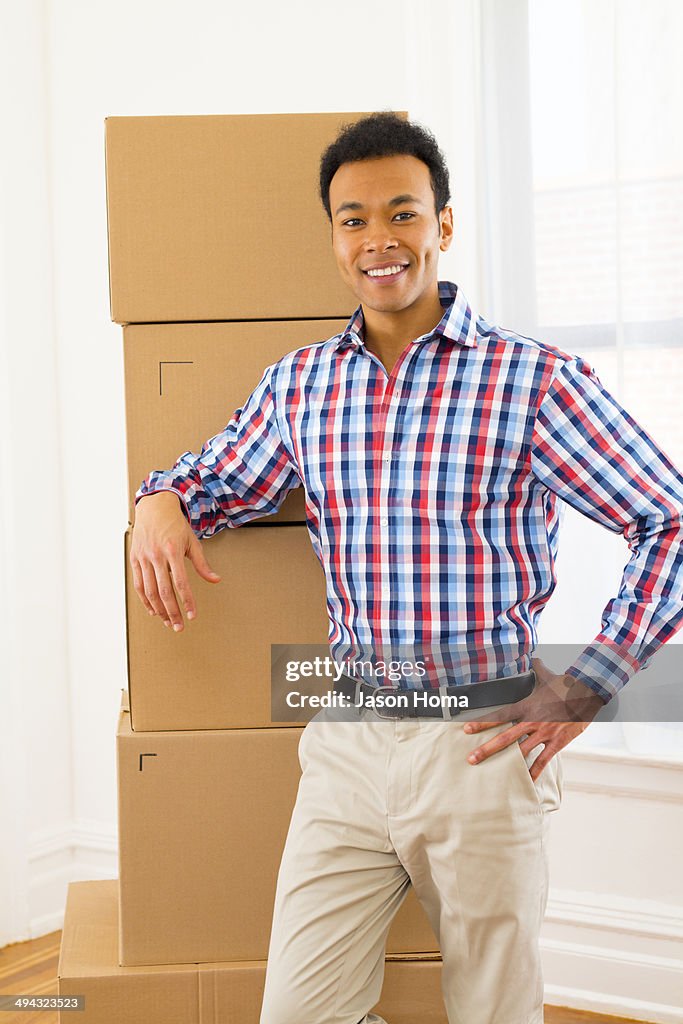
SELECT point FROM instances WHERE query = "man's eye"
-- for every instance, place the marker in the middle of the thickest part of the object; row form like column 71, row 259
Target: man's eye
column 352, row 222
column 405, row 213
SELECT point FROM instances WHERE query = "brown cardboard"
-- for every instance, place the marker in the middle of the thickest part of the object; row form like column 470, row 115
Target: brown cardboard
column 203, row 818
column 196, row 993
column 185, row 381
column 215, row 674
column 218, row 218
column 411, row 993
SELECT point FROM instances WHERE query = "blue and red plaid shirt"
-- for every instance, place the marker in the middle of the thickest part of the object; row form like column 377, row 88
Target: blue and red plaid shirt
column 431, row 494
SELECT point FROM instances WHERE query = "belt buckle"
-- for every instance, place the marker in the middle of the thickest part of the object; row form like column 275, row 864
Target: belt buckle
column 387, row 714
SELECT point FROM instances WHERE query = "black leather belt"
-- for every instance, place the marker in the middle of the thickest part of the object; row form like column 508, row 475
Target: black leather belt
column 430, row 703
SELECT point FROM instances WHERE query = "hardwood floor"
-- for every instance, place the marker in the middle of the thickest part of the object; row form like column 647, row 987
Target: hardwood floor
column 30, row 968
column 560, row 1015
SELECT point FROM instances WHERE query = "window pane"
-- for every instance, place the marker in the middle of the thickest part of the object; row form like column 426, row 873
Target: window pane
column 576, row 256
column 652, row 389
column 606, row 83
column 572, row 91
column 649, row 76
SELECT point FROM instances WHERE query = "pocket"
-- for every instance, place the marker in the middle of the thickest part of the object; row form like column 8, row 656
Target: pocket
column 547, row 788
column 559, row 775
column 303, row 739
column 311, row 727
column 531, row 787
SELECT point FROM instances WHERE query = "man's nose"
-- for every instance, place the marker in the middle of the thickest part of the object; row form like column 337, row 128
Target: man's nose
column 380, row 241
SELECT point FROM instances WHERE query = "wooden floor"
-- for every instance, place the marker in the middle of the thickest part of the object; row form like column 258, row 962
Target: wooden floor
column 30, row 968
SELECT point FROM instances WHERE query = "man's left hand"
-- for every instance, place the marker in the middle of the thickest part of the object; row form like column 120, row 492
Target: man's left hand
column 559, row 709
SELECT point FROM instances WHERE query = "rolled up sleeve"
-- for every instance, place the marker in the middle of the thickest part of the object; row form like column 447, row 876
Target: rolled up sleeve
column 244, row 472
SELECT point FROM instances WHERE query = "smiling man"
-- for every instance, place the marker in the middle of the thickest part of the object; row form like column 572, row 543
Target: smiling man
column 433, row 448
column 395, row 280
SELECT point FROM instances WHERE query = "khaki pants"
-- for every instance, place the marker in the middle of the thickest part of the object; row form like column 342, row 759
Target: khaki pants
column 385, row 804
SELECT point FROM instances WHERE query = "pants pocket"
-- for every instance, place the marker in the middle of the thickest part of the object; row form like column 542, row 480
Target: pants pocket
column 547, row 788
column 301, row 749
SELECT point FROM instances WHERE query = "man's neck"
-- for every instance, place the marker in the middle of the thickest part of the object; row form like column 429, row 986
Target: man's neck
column 387, row 334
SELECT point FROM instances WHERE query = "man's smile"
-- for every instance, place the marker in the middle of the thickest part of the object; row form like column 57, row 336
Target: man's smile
column 386, row 273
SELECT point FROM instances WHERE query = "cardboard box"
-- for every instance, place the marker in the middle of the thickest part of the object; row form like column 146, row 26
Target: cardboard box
column 196, row 993
column 218, row 218
column 216, row 673
column 203, row 818
column 184, row 382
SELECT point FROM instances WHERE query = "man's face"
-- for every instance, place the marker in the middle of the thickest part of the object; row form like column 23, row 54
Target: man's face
column 383, row 217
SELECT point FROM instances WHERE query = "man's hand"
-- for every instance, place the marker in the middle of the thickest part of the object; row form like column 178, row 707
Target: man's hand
column 162, row 540
column 573, row 704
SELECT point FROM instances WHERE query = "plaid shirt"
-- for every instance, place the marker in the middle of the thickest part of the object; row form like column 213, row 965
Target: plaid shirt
column 431, row 494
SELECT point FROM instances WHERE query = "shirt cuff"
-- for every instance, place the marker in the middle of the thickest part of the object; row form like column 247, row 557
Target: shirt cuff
column 159, row 490
column 605, row 667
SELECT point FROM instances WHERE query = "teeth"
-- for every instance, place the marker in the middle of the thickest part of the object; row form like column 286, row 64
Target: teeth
column 386, row 271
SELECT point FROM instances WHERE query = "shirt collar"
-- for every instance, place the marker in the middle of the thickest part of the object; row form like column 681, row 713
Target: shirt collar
column 457, row 324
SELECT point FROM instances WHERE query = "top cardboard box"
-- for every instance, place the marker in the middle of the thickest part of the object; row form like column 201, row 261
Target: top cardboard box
column 219, row 218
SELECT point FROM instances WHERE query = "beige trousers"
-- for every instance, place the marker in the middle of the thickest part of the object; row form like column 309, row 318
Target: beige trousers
column 385, row 804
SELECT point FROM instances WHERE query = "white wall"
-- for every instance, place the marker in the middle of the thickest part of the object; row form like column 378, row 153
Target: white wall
column 35, row 729
column 67, row 64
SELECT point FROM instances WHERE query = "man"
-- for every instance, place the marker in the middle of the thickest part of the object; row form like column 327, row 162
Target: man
column 431, row 446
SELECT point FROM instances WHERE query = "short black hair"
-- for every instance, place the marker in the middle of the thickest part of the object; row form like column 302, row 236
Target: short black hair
column 385, row 134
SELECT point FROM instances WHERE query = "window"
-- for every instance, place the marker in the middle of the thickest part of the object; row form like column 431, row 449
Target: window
column 606, row 97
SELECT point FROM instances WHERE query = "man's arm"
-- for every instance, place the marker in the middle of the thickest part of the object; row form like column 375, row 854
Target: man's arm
column 242, row 473
column 590, row 452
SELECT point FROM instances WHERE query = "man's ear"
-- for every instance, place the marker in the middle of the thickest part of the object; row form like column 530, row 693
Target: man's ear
column 446, row 228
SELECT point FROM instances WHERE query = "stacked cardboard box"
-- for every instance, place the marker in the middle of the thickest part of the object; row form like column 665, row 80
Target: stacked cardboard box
column 219, row 264
column 200, row 993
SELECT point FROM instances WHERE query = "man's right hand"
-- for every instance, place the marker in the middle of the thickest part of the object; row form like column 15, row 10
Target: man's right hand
column 162, row 540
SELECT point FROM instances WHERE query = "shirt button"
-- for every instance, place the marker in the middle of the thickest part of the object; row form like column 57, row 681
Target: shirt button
column 384, row 521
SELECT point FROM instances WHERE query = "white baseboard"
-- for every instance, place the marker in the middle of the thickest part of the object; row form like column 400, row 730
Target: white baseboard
column 599, row 942
column 594, row 1002
column 607, row 951
column 84, row 850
